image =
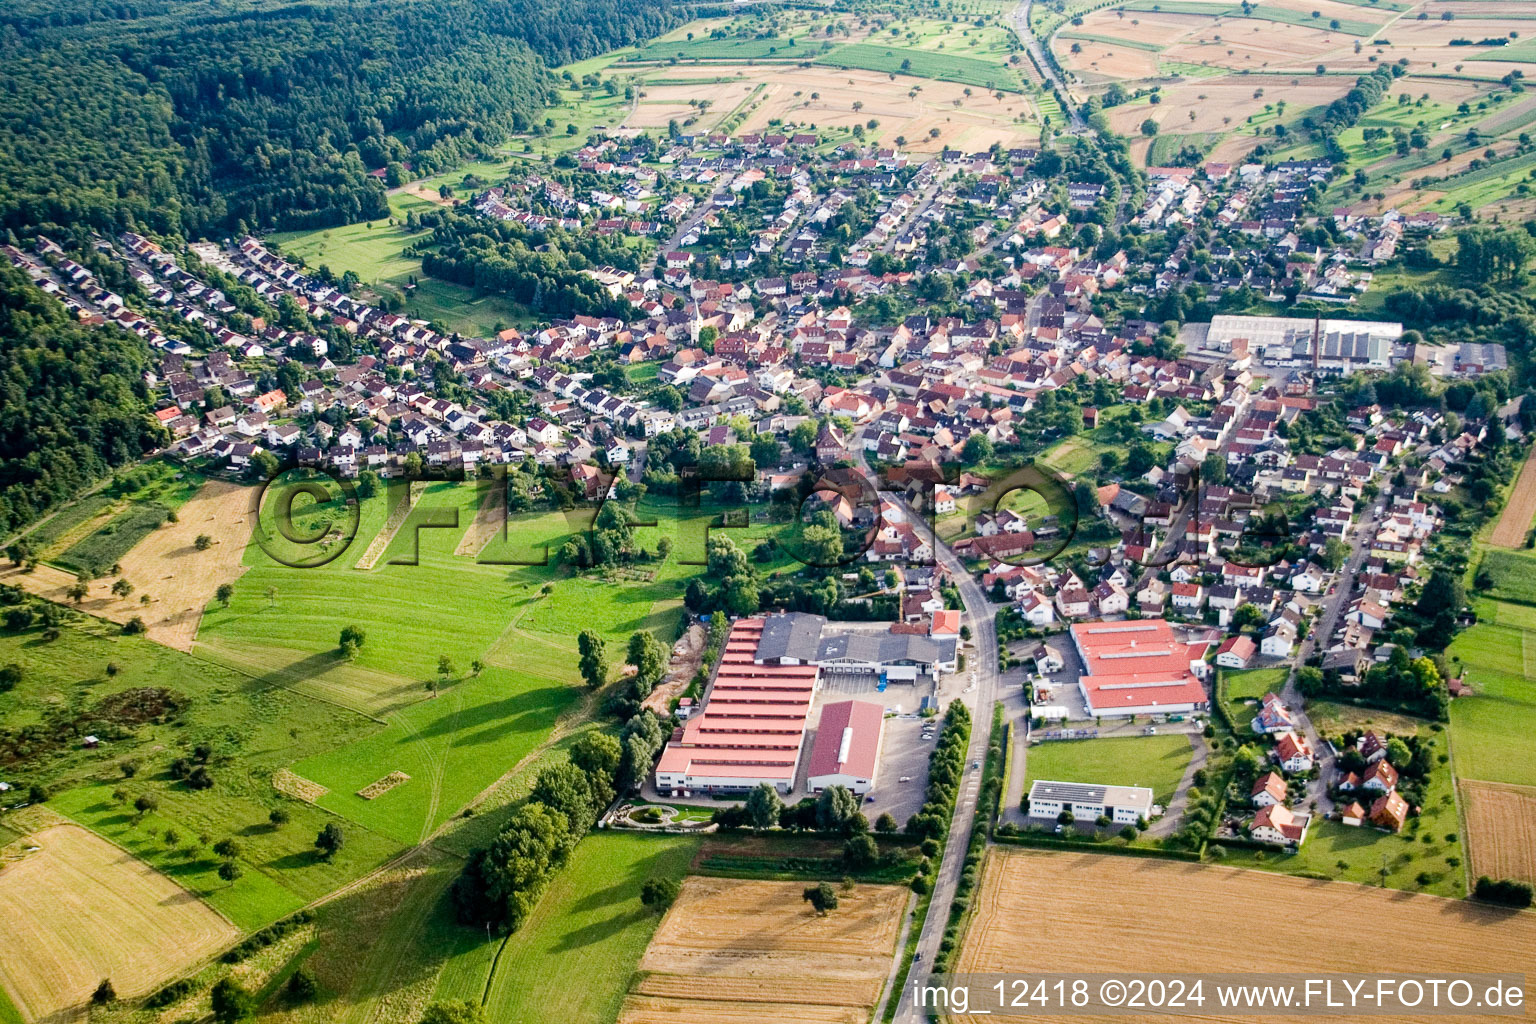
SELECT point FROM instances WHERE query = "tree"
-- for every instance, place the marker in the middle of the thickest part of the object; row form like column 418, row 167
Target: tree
column 860, row 851
column 566, row 789
column 1443, row 593
column 122, row 588
column 598, row 755
column 301, row 987
column 977, row 450
column 351, row 642
column 659, row 893
column 203, row 542
column 230, row 1002
column 593, row 663
column 1398, row 754
column 104, row 993
column 821, row 896
column 649, row 656
column 445, row 671
column 78, row 591
column 228, row 848
column 763, row 806
column 836, row 809
column 279, row 817
column 224, row 593
column 885, row 823
column 10, row 675
column 454, row 1011
column 230, row 870
column 330, row 840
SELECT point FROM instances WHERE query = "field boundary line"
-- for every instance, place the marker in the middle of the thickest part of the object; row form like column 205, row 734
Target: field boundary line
column 286, row 686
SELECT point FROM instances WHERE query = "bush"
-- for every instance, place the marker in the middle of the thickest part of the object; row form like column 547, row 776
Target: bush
column 301, row 987
column 1504, row 891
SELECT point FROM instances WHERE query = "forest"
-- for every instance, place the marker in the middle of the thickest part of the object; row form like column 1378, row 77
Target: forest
column 189, row 119
column 73, row 403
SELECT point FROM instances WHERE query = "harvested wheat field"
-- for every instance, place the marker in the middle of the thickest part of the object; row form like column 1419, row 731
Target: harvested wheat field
column 78, row 909
column 1146, row 916
column 731, row 950
column 165, row 567
column 823, row 96
column 1223, row 104
column 1515, row 521
column 1104, row 62
column 1501, row 829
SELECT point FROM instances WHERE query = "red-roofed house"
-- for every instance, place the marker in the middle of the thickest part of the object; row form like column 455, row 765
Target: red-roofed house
column 1276, row 824
column 1236, row 652
column 1293, row 754
column 1269, row 790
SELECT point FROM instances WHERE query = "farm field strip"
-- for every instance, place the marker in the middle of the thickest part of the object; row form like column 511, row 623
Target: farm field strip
column 78, row 909
column 736, row 950
column 1183, row 920
column 1501, row 829
column 1515, row 521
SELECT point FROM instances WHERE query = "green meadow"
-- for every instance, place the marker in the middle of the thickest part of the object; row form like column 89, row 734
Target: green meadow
column 573, row 959
column 1156, row 762
column 924, row 64
column 1495, row 729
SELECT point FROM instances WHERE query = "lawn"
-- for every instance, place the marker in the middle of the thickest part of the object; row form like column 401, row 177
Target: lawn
column 1495, row 729
column 924, row 64
column 250, row 732
column 573, row 959
column 1262, row 12
column 1157, row 762
column 1254, row 683
column 1523, row 52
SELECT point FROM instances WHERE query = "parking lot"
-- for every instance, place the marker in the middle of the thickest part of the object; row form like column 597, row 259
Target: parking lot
column 903, row 750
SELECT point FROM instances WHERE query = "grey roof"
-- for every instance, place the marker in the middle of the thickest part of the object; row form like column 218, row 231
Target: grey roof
column 1127, row 797
column 883, row 648
column 792, row 635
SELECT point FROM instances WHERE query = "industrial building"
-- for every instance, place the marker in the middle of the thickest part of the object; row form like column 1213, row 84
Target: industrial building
column 751, row 728
column 1123, row 805
column 1322, row 345
column 846, row 750
column 1138, row 667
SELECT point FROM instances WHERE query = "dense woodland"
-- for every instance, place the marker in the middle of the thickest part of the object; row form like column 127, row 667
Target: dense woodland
column 193, row 118
column 73, row 403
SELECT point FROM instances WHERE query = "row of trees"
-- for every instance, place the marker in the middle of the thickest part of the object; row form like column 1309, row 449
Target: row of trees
column 502, row 882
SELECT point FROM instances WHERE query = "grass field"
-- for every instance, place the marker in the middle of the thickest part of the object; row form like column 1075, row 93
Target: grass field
column 374, row 251
column 1157, row 762
column 251, row 730
column 1254, row 683
column 735, row 950
column 1514, row 575
column 75, row 910
column 1188, row 913
column 573, row 958
column 1495, row 729
column 730, row 49
column 924, row 64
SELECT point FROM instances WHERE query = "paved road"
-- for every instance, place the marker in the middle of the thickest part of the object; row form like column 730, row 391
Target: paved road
column 979, row 613
column 1322, row 631
column 1036, row 47
column 687, row 224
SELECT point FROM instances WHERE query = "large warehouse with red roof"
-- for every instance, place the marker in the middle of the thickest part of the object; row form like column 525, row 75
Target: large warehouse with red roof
column 752, row 726
column 1139, row 667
